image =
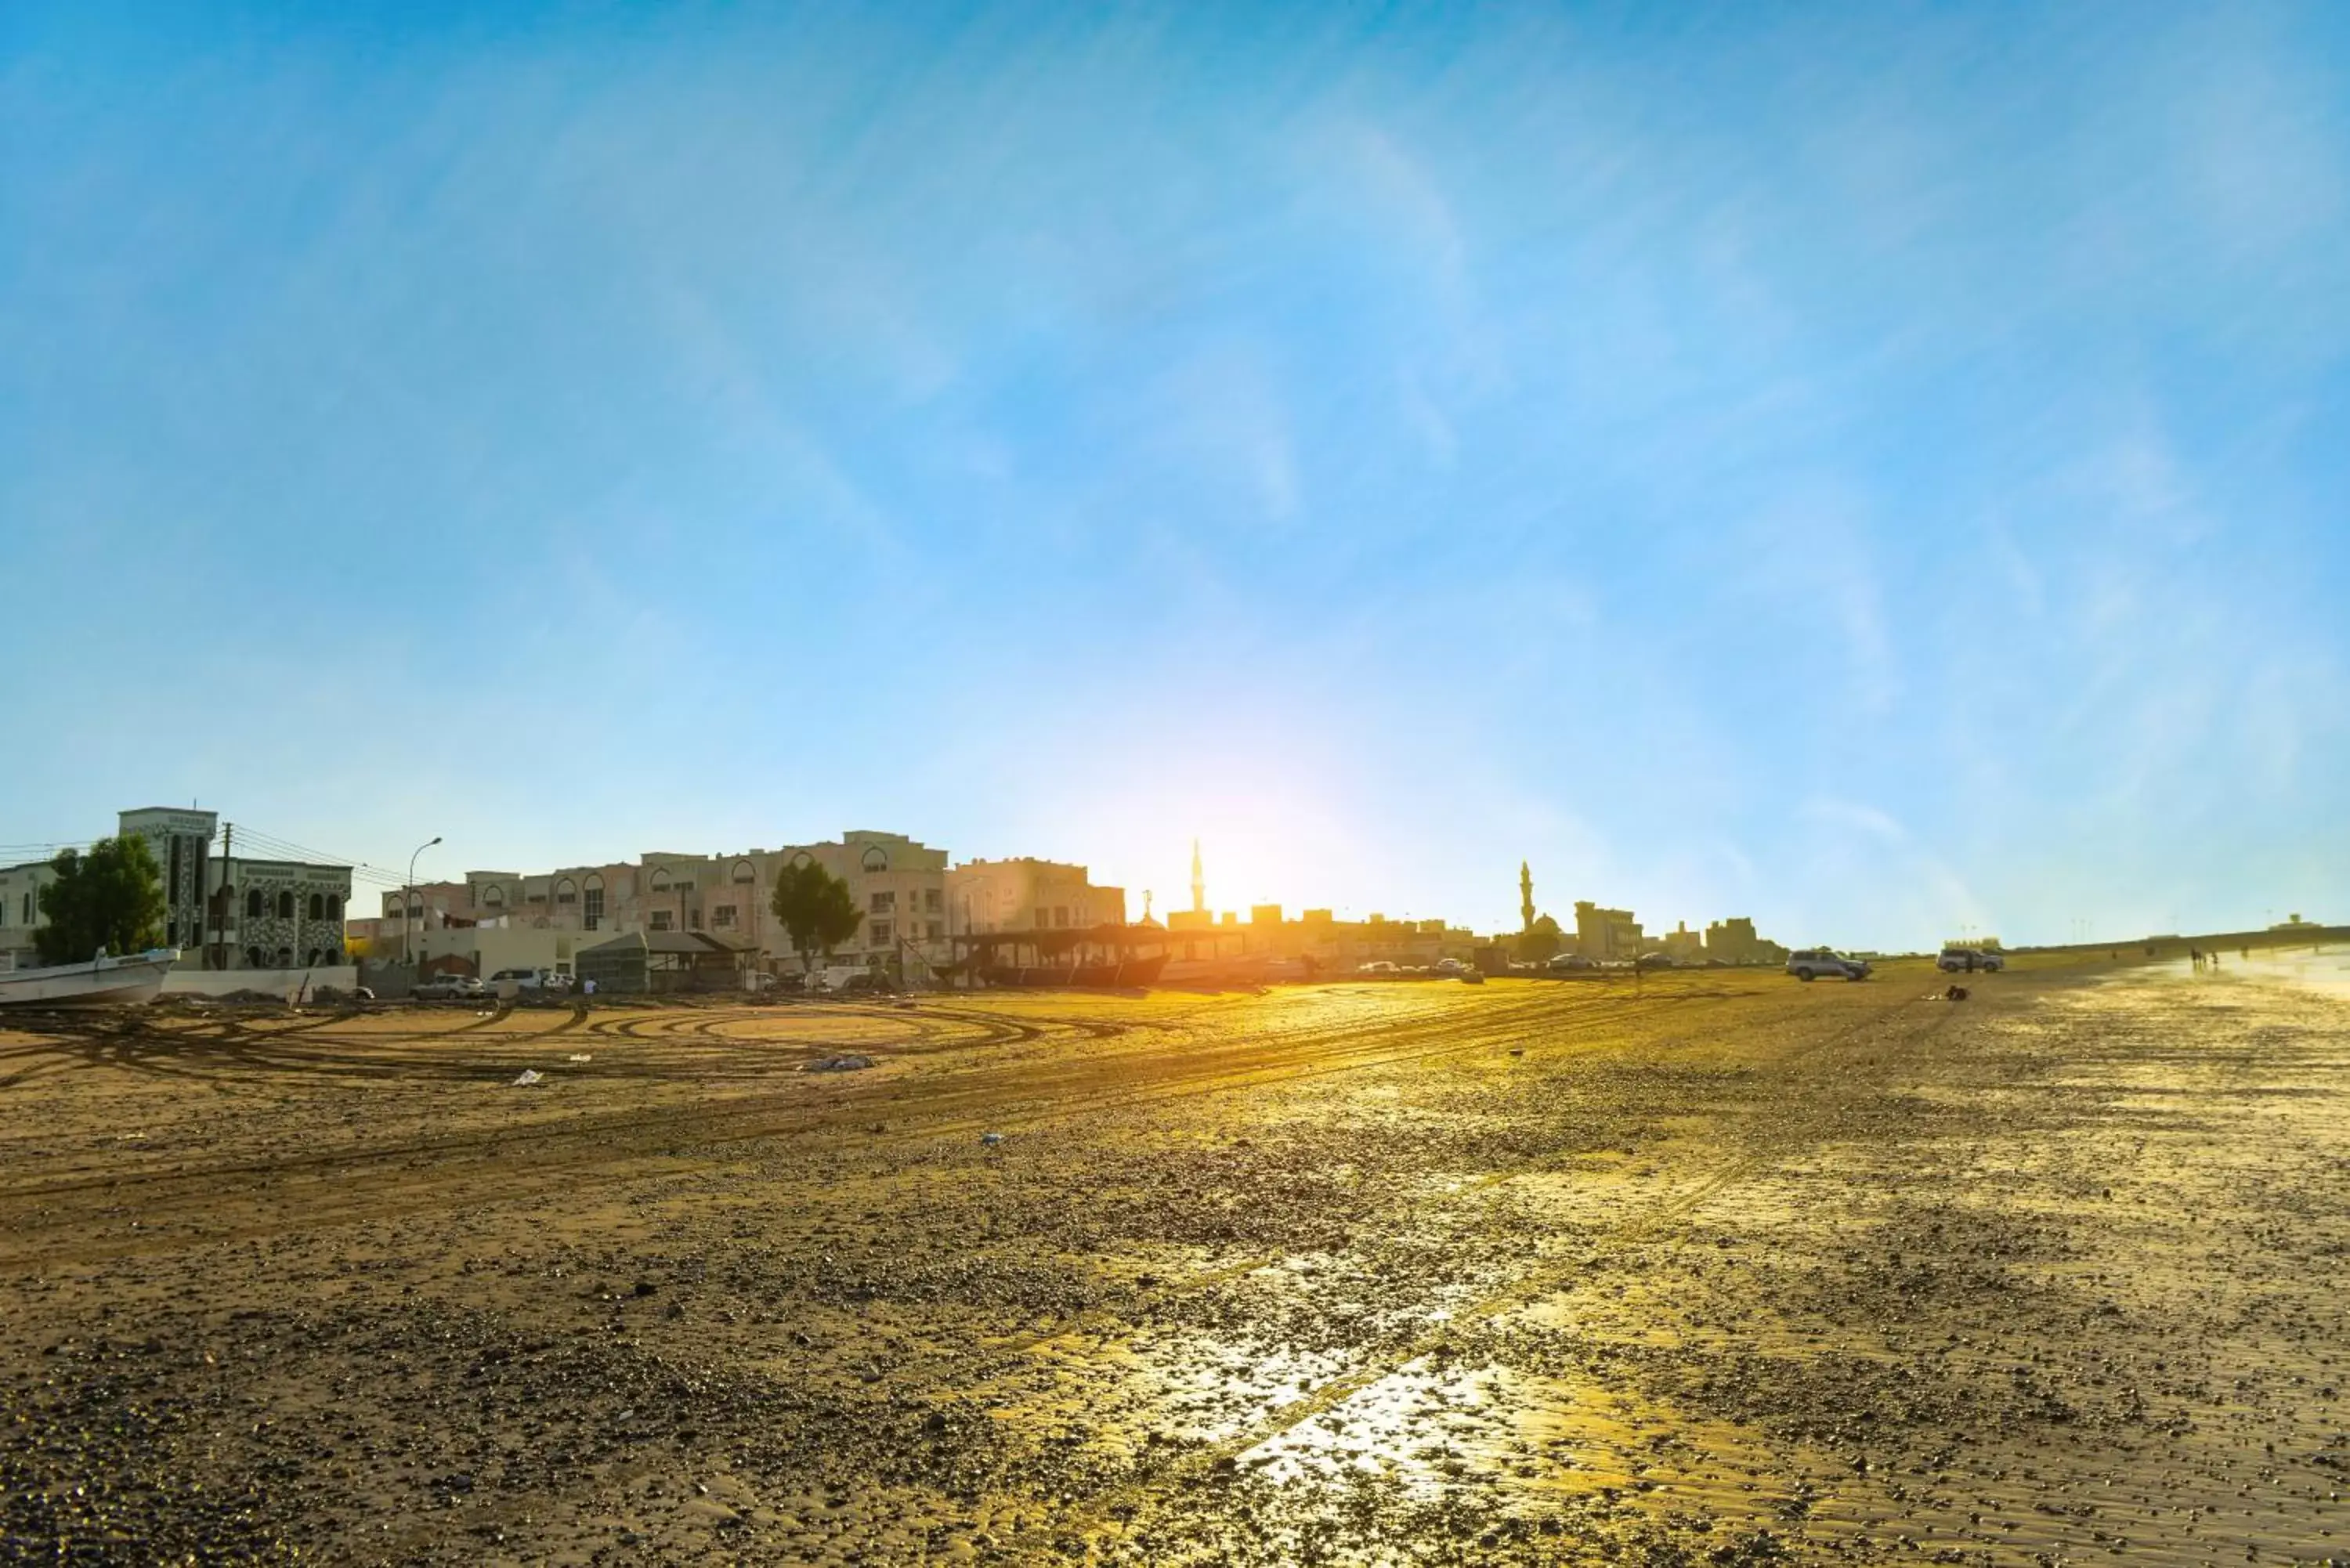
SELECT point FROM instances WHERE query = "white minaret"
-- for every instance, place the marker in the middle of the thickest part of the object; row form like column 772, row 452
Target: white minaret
column 1199, row 882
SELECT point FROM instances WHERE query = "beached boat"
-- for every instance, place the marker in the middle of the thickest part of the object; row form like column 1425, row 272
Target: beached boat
column 101, row 983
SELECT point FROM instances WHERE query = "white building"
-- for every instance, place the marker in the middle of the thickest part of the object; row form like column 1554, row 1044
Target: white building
column 222, row 914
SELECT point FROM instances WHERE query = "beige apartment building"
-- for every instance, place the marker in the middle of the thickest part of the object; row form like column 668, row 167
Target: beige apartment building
column 1607, row 935
column 1734, row 940
column 899, row 885
column 1024, row 893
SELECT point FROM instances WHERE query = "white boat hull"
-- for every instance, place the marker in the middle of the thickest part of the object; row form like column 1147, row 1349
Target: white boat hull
column 105, row 983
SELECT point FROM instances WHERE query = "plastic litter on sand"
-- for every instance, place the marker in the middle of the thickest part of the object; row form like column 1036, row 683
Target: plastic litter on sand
column 991, row 1137
column 529, row 1075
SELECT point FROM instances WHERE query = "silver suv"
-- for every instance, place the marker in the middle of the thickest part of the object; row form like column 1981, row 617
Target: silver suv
column 448, row 988
column 1955, row 960
column 1810, row 963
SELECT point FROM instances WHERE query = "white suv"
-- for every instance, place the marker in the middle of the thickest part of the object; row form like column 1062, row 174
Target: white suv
column 1954, row 960
column 1810, row 963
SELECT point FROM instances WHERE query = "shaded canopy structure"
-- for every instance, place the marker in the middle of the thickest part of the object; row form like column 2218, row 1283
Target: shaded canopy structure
column 1109, row 954
column 661, row 963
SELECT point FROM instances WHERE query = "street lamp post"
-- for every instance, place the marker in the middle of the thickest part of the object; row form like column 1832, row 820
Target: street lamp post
column 406, row 898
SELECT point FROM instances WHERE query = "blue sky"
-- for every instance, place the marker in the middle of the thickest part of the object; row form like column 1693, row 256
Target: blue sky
column 1876, row 468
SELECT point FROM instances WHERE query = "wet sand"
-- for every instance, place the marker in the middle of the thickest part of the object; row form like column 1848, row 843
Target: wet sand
column 1723, row 1270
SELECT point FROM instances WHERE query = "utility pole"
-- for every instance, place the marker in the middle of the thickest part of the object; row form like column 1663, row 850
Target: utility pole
column 228, row 889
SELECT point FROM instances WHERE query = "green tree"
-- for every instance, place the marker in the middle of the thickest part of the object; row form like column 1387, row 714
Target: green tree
column 816, row 910
column 1540, row 942
column 111, row 898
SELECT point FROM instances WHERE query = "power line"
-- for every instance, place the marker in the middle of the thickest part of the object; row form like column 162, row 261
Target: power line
column 360, row 870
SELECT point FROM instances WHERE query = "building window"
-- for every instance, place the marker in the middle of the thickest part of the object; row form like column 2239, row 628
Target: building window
column 723, row 917
column 252, row 908
column 286, row 910
column 938, row 930
column 171, row 933
column 694, row 919
column 663, row 920
column 317, row 906
column 932, row 900
column 565, row 893
column 884, row 903
column 876, row 859
column 253, row 958
column 334, row 906
column 881, row 934
column 594, row 908
column 1060, row 914
column 285, row 958
column 494, row 896
column 743, row 872
column 660, row 879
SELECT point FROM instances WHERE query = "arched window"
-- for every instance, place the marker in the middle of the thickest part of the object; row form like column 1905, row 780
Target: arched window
column 285, row 958
column 286, row 909
column 334, row 906
column 317, row 906
column 743, row 872
column 253, row 906
column 310, row 959
column 802, row 860
column 566, row 892
column 660, row 879
column 253, row 958
column 494, row 896
column 876, row 859
column 591, row 911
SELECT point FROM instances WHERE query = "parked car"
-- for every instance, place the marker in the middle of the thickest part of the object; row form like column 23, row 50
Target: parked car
column 1450, row 966
column 1955, row 960
column 1810, row 963
column 1377, row 966
column 1574, row 961
column 448, row 988
column 1657, row 961
column 529, row 981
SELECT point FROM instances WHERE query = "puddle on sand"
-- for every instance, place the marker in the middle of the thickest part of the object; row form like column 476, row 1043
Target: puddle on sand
column 1438, row 1423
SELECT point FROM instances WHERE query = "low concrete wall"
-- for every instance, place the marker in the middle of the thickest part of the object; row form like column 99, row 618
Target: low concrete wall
column 273, row 981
